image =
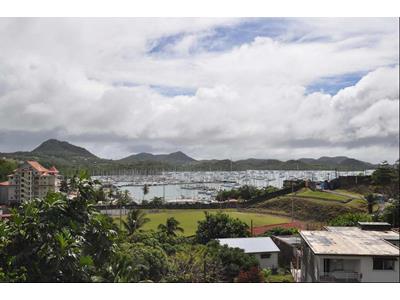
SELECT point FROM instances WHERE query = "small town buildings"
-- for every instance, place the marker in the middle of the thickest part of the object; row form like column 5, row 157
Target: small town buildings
column 350, row 254
column 263, row 248
column 31, row 180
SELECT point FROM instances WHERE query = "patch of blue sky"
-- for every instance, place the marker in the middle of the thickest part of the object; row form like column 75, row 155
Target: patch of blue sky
column 125, row 84
column 223, row 38
column 172, row 91
column 169, row 91
column 333, row 84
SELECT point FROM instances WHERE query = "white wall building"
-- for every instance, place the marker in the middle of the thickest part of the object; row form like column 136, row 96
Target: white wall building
column 349, row 254
column 263, row 248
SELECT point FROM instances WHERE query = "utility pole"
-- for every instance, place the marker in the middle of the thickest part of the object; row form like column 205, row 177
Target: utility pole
column 292, row 202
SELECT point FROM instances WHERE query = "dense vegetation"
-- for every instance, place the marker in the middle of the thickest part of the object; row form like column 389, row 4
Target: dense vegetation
column 60, row 240
column 6, row 168
column 350, row 219
column 245, row 192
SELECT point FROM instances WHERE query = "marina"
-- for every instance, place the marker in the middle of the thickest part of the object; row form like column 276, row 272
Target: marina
column 204, row 186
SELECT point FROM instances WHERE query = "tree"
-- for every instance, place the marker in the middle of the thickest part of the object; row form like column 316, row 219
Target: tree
column 7, row 166
column 350, row 219
column 64, row 186
column 146, row 190
column 193, row 263
column 136, row 218
column 386, row 178
column 56, row 239
column 170, row 227
column 156, row 202
column 371, row 200
column 390, row 213
column 220, row 225
column 122, row 199
column 136, row 263
column 384, row 174
column 233, row 260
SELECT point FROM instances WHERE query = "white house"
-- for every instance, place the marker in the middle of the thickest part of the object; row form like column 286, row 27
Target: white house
column 261, row 247
column 349, row 254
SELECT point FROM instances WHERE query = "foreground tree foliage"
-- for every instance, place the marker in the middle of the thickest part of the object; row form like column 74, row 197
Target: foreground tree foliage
column 220, row 225
column 56, row 239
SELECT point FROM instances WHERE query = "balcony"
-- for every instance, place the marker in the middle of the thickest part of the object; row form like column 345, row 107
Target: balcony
column 340, row 276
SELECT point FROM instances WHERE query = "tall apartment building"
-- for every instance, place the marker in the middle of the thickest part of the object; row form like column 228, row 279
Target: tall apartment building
column 32, row 180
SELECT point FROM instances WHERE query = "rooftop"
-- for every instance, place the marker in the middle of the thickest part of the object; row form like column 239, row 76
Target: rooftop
column 37, row 166
column 290, row 239
column 251, row 244
column 4, row 183
column 355, row 231
column 348, row 242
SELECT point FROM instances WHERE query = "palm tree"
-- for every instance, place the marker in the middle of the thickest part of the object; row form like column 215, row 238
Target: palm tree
column 136, row 218
column 123, row 199
column 146, row 190
column 171, row 226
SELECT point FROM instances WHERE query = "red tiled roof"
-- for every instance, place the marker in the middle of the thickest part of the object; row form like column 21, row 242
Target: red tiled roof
column 38, row 167
column 53, row 170
column 4, row 183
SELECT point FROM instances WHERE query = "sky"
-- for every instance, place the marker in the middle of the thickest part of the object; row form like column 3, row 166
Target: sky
column 280, row 88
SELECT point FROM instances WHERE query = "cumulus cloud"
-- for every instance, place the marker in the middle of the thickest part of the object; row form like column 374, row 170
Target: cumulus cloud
column 92, row 81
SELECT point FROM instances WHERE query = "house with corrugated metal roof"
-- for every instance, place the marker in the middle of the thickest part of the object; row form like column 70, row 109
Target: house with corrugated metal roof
column 350, row 254
column 263, row 248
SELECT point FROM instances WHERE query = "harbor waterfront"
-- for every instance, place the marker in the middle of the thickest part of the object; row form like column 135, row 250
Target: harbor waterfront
column 204, row 186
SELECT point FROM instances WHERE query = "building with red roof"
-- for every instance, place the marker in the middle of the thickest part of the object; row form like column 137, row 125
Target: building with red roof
column 30, row 180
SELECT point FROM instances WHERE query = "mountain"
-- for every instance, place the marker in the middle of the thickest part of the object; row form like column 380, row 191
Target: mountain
column 175, row 158
column 68, row 158
column 54, row 147
column 338, row 162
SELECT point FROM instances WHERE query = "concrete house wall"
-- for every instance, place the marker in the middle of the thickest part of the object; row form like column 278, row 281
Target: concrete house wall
column 360, row 264
column 267, row 263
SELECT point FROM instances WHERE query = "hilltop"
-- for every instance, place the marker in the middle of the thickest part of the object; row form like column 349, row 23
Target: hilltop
column 69, row 157
column 173, row 158
column 53, row 147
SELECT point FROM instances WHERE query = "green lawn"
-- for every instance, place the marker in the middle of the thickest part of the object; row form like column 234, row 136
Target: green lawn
column 351, row 194
column 189, row 218
column 321, row 195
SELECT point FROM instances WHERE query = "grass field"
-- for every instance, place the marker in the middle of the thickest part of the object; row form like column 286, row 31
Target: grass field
column 321, row 195
column 189, row 218
column 350, row 193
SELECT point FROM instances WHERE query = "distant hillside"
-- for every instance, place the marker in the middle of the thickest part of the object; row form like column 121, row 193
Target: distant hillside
column 54, row 147
column 69, row 158
column 338, row 162
column 175, row 158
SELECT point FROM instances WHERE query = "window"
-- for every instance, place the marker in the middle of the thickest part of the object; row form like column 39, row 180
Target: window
column 384, row 263
column 265, row 255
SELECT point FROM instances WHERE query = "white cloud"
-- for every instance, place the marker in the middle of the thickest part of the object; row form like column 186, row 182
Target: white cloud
column 92, row 79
